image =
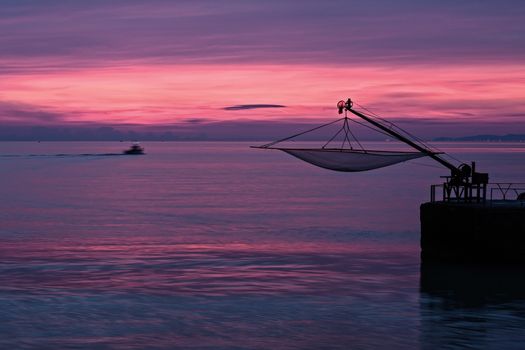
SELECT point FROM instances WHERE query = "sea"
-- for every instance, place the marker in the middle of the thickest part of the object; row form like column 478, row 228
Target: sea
column 214, row 245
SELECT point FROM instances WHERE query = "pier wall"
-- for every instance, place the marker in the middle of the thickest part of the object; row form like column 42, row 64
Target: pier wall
column 473, row 232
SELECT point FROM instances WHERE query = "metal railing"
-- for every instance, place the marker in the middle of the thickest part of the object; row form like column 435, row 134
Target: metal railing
column 498, row 191
column 507, row 191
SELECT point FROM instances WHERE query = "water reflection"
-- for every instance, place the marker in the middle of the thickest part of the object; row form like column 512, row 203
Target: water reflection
column 263, row 295
column 214, row 247
column 473, row 306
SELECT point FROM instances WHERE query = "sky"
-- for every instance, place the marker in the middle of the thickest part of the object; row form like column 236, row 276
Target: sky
column 445, row 68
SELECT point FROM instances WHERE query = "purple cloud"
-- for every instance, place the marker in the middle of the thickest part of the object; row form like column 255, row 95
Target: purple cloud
column 40, row 35
column 26, row 114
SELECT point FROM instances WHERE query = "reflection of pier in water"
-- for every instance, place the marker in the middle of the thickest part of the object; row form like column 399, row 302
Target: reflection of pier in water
column 472, row 306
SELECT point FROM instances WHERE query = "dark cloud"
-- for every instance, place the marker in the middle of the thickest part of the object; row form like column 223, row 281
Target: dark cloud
column 196, row 120
column 251, row 106
column 21, row 113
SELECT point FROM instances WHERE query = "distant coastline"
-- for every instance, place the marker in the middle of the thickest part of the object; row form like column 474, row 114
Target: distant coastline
column 485, row 138
column 252, row 131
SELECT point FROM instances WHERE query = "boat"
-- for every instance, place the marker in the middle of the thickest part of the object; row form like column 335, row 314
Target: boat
column 135, row 149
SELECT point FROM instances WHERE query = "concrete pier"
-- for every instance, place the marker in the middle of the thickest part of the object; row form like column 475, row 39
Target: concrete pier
column 490, row 231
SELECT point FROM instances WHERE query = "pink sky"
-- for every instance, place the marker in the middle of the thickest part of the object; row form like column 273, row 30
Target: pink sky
column 173, row 93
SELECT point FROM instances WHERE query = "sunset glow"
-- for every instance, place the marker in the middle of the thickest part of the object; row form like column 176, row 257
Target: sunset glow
column 175, row 93
column 169, row 63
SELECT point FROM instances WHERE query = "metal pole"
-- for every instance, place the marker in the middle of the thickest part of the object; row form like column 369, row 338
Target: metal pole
column 402, row 138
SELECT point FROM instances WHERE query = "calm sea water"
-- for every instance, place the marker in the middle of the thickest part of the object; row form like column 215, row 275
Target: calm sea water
column 218, row 246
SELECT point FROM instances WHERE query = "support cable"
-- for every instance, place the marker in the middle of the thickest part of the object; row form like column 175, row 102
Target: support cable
column 351, row 133
column 370, row 127
column 414, row 137
column 333, row 137
column 347, row 139
column 299, row 134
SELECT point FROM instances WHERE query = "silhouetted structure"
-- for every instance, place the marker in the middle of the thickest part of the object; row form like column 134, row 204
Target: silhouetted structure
column 466, row 224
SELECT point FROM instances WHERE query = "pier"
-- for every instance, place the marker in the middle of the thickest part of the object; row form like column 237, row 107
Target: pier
column 479, row 226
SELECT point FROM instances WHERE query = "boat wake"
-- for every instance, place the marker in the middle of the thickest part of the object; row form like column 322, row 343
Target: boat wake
column 61, row 155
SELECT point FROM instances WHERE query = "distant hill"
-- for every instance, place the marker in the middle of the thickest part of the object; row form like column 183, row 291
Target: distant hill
column 486, row 138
